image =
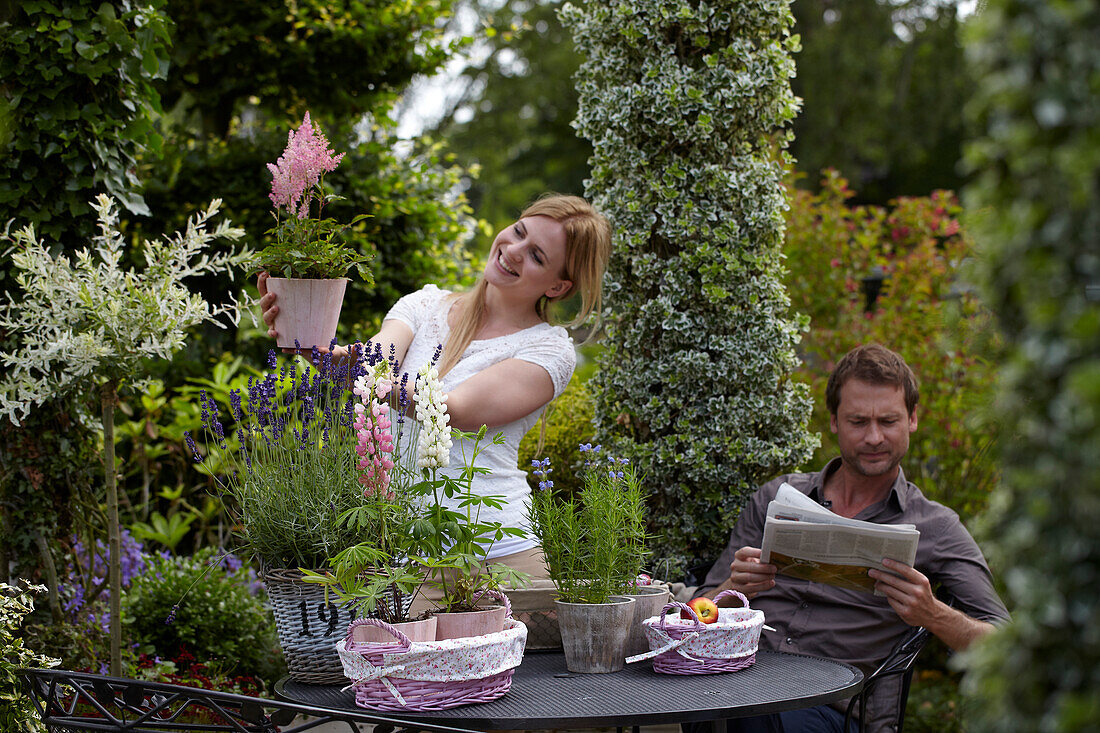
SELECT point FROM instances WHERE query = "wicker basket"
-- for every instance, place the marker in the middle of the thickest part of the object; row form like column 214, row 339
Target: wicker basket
column 414, row 676
column 727, row 645
column 534, row 607
column 308, row 626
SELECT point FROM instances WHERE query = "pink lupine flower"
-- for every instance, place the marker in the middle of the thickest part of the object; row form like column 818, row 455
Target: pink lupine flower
column 375, row 443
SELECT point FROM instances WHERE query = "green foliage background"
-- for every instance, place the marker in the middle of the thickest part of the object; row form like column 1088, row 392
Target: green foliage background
column 1036, row 206
column 77, row 105
column 883, row 86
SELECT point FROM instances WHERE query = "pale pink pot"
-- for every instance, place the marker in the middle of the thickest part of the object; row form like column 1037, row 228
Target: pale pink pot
column 422, row 630
column 308, row 310
column 460, row 624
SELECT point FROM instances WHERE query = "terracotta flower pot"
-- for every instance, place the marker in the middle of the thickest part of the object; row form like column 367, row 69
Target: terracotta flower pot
column 460, row 624
column 419, row 630
column 308, row 310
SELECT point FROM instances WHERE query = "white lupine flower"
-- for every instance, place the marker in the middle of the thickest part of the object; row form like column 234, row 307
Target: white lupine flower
column 433, row 450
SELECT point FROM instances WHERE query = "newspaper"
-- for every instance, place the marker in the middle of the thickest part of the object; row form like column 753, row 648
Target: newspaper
column 805, row 540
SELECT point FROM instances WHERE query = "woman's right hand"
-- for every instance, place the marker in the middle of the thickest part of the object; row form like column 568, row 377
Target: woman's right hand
column 267, row 304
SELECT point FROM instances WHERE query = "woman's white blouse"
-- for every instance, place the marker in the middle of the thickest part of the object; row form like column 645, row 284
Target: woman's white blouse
column 550, row 347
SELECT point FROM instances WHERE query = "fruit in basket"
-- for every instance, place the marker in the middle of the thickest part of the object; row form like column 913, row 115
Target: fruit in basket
column 704, row 608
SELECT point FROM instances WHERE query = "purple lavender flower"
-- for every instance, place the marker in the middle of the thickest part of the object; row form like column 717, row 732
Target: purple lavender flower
column 235, row 403
column 272, row 359
column 191, row 444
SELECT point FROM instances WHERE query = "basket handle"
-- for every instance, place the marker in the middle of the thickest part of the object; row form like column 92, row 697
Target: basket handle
column 500, row 596
column 402, row 640
column 728, row 593
column 674, row 605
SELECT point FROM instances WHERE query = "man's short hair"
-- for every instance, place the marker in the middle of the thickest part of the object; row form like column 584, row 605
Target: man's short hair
column 874, row 364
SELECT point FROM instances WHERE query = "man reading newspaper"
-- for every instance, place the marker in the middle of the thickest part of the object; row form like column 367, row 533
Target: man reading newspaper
column 866, row 603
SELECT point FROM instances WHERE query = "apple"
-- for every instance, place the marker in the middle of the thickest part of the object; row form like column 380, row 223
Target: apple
column 704, row 608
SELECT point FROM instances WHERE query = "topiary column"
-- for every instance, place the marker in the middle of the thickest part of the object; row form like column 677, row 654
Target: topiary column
column 687, row 106
column 1036, row 204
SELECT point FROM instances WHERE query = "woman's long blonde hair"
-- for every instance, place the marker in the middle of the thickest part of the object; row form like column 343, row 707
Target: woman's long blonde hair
column 587, row 249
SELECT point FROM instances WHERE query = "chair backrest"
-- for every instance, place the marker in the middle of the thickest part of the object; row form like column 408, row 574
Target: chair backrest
column 900, row 662
column 80, row 701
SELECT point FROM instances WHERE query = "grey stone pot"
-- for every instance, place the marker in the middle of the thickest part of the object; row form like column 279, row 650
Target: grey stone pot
column 594, row 635
column 648, row 601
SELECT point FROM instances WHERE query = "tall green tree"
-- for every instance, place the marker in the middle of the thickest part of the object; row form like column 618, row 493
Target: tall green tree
column 686, row 104
column 336, row 58
column 514, row 118
column 883, row 86
column 1036, row 201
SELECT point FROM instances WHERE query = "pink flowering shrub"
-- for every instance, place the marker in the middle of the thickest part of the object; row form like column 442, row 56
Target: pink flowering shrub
column 307, row 246
column 925, row 310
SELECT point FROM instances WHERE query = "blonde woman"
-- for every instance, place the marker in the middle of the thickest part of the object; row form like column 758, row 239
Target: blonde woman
column 502, row 362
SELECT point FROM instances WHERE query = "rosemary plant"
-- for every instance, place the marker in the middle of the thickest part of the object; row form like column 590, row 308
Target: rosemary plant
column 289, row 467
column 594, row 543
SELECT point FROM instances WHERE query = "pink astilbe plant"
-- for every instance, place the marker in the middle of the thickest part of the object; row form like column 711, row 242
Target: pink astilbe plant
column 305, row 244
column 307, row 157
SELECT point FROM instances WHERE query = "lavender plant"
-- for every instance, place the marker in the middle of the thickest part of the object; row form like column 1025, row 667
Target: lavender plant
column 285, row 458
column 87, row 326
column 594, row 542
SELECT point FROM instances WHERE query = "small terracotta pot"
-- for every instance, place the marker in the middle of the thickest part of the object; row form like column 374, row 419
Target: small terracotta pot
column 460, row 624
column 308, row 310
column 420, row 630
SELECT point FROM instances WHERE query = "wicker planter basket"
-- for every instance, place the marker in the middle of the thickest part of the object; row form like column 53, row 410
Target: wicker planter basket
column 308, row 627
column 415, row 676
column 692, row 647
column 534, row 607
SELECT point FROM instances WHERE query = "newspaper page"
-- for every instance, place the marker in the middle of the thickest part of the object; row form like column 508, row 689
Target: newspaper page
column 806, row 540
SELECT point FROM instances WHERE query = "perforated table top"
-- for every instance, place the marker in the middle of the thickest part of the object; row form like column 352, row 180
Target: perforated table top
column 546, row 695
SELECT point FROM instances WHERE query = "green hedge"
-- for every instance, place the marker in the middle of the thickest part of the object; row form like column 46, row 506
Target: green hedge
column 926, row 310
column 1036, row 202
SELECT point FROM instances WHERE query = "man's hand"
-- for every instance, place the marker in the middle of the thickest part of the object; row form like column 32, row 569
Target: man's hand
column 747, row 574
column 910, row 595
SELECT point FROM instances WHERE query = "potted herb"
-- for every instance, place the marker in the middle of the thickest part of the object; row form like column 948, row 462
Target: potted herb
column 307, row 259
column 285, row 458
column 594, row 545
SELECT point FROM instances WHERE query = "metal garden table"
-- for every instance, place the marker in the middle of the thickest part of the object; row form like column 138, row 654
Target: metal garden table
column 546, row 695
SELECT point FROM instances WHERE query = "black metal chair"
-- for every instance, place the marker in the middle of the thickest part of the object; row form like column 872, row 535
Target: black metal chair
column 79, row 701
column 900, row 661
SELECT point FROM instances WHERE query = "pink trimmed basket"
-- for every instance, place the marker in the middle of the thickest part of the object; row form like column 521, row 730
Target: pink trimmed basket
column 416, row 676
column 727, row 645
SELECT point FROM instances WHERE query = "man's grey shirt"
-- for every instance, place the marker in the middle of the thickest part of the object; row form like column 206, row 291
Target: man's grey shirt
column 848, row 625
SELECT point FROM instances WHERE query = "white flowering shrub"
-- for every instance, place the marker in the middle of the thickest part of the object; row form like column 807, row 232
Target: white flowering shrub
column 687, row 106
column 85, row 326
column 82, row 321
